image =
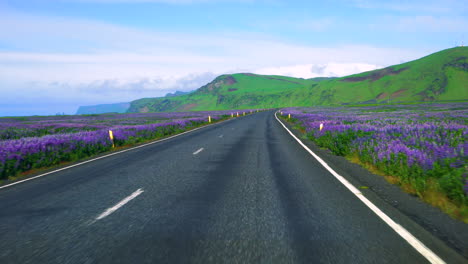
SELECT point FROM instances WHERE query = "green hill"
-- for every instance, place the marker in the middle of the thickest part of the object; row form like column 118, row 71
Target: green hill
column 442, row 76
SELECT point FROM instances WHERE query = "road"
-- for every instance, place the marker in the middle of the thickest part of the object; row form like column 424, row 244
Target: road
column 241, row 191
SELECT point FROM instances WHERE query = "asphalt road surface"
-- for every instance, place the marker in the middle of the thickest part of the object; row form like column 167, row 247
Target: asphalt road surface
column 241, row 191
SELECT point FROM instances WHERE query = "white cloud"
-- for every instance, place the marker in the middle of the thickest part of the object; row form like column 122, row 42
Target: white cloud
column 97, row 39
column 319, row 70
column 96, row 62
column 107, row 90
column 88, row 67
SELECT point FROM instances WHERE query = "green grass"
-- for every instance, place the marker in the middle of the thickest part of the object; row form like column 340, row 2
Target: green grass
column 442, row 76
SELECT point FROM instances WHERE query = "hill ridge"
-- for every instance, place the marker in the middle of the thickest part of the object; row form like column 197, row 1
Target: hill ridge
column 438, row 77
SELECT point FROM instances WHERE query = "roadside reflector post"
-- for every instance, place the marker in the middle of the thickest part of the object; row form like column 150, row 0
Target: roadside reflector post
column 321, row 126
column 209, row 119
column 232, row 115
column 111, row 136
column 289, row 116
column 237, row 114
column 243, row 113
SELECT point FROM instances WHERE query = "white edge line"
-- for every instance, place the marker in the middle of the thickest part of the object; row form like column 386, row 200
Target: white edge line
column 198, row 151
column 120, row 204
column 405, row 234
column 108, row 155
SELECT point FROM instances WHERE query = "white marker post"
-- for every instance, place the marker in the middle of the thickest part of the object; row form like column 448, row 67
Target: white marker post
column 321, row 126
column 111, row 136
column 209, row 119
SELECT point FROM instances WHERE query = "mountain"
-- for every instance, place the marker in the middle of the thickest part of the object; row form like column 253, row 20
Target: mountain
column 236, row 91
column 176, row 93
column 442, row 76
column 103, row 108
column 115, row 108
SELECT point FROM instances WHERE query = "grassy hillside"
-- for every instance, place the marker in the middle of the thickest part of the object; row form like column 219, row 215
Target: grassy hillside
column 442, row 76
column 236, row 91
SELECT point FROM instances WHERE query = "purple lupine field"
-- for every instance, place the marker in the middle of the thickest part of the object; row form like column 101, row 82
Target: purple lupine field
column 36, row 142
column 413, row 142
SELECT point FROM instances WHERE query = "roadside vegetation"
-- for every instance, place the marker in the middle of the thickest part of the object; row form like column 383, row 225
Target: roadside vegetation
column 423, row 148
column 28, row 144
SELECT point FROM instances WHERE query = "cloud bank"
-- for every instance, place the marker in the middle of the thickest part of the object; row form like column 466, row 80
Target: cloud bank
column 69, row 62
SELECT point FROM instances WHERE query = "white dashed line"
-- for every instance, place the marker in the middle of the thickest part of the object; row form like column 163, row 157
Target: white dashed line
column 198, row 151
column 220, row 136
column 120, row 204
column 405, row 234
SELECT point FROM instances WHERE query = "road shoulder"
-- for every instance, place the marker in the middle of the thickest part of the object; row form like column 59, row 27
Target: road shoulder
column 396, row 203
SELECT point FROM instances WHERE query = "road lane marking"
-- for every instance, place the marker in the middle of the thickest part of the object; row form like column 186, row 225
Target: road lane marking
column 120, row 204
column 108, row 155
column 405, row 234
column 220, row 136
column 198, row 151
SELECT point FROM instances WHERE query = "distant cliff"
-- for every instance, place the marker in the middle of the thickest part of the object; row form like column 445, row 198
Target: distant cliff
column 103, row 108
column 118, row 107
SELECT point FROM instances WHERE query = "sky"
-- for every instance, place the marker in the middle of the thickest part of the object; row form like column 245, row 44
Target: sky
column 57, row 55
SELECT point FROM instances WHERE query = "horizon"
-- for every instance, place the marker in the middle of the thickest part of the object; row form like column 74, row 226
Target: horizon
column 58, row 55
